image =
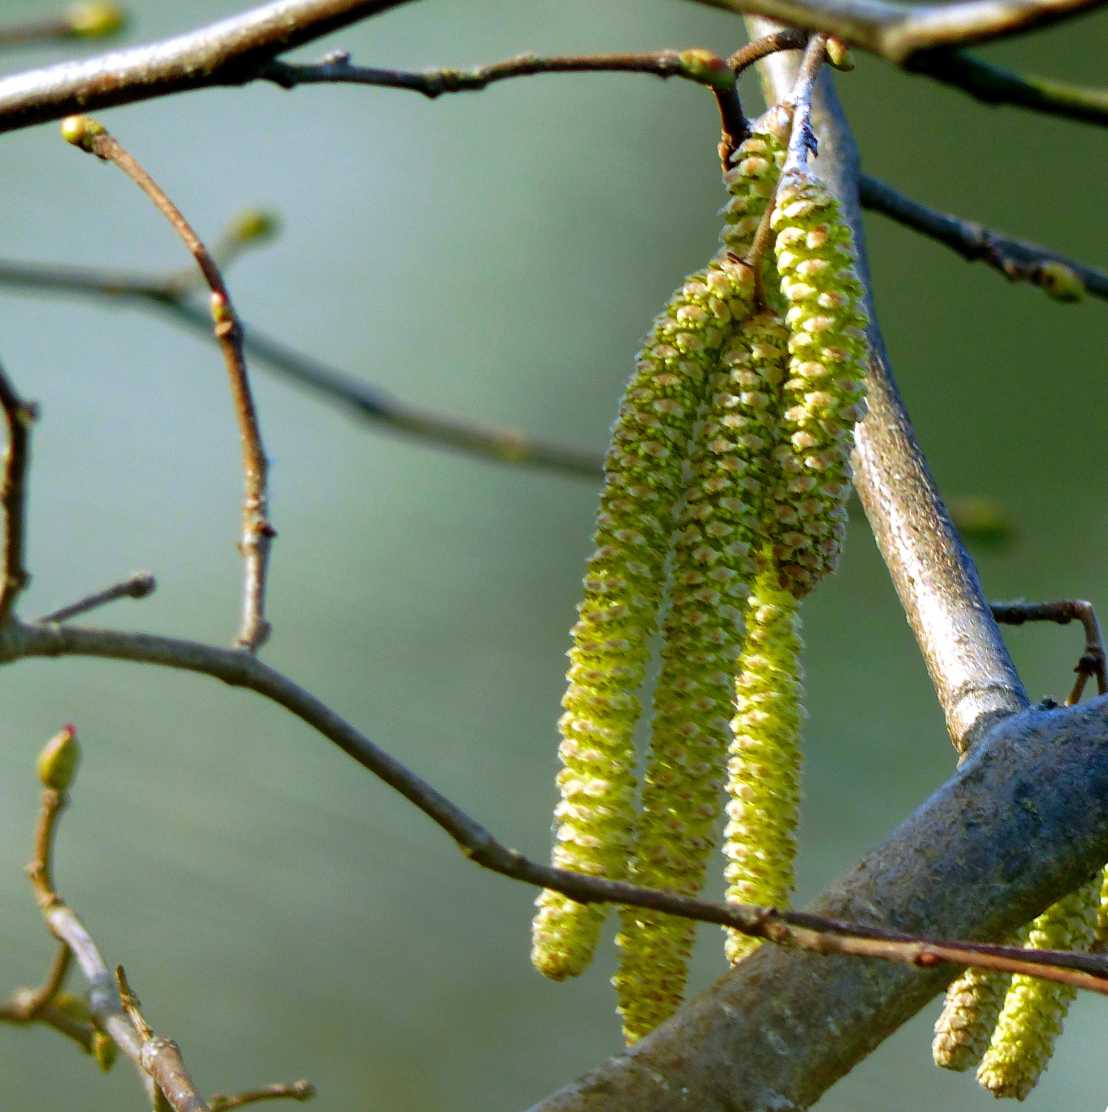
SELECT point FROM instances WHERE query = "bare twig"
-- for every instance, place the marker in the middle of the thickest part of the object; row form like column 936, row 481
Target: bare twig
column 1018, row 260
column 502, row 445
column 257, row 532
column 28, row 1005
column 138, row 585
column 817, row 933
column 1091, row 664
column 897, row 31
column 296, row 1090
column 160, row 1057
column 336, row 68
column 997, row 85
column 18, row 416
column 789, row 38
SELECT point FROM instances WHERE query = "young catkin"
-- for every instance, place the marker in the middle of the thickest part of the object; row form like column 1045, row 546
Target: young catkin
column 823, row 396
column 751, row 181
column 714, row 564
column 763, row 783
column 594, row 822
column 1031, row 1019
column 965, row 1026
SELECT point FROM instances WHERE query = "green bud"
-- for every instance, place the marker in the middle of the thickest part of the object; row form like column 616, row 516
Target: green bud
column 80, row 131
column 95, row 20
column 838, row 55
column 1031, row 1019
column 1059, row 281
column 707, row 67
column 104, row 1050
column 57, row 763
column 763, row 773
column 253, row 224
column 644, row 477
column 72, row 1005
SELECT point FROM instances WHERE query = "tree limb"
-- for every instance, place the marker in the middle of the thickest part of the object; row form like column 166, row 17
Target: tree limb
column 898, row 31
column 229, row 52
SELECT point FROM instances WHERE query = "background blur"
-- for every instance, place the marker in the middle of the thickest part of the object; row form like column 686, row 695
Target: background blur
column 497, row 256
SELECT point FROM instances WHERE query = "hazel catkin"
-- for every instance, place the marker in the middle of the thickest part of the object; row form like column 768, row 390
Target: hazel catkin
column 594, row 822
column 714, row 564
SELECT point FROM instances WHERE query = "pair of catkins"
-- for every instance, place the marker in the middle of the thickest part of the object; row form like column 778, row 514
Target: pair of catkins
column 725, row 485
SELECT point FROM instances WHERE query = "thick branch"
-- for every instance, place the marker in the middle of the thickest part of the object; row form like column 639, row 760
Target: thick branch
column 1017, row 259
column 987, row 852
column 228, row 52
column 898, row 31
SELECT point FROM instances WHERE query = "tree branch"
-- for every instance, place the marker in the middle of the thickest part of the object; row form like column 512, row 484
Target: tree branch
column 1017, row 259
column 898, row 31
column 502, row 445
column 18, row 416
column 997, row 85
column 229, row 52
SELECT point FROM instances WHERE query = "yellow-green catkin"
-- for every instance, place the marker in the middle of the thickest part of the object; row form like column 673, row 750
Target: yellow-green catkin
column 763, row 773
column 1102, row 911
column 644, row 480
column 972, row 1005
column 824, row 393
column 1031, row 1019
column 714, row 565
column 751, row 181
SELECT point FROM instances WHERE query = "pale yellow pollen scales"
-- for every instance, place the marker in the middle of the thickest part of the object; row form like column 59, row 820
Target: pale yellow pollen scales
column 719, row 532
column 1031, row 1019
column 618, row 614
column 763, row 773
column 824, row 393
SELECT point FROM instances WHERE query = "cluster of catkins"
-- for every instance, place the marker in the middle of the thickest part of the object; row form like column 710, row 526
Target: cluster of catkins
column 1007, row 1025
column 724, row 494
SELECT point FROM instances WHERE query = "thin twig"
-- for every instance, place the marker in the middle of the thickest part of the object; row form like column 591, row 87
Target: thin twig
column 296, row 1090
column 160, row 1057
column 257, row 532
column 138, row 585
column 70, row 931
column 502, row 445
column 811, row 932
column 1092, row 661
column 18, row 416
column 897, row 31
column 336, row 68
column 789, row 38
column 997, row 85
column 28, row 1005
column 1018, row 260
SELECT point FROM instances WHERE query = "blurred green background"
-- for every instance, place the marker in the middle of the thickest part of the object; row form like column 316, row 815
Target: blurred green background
column 496, row 256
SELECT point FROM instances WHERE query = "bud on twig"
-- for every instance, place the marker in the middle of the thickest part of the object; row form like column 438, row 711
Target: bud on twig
column 57, row 763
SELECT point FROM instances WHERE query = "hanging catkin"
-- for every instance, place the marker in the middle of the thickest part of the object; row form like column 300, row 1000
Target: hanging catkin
column 1031, row 1019
column 824, row 392
column 594, row 822
column 763, row 782
column 714, row 565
